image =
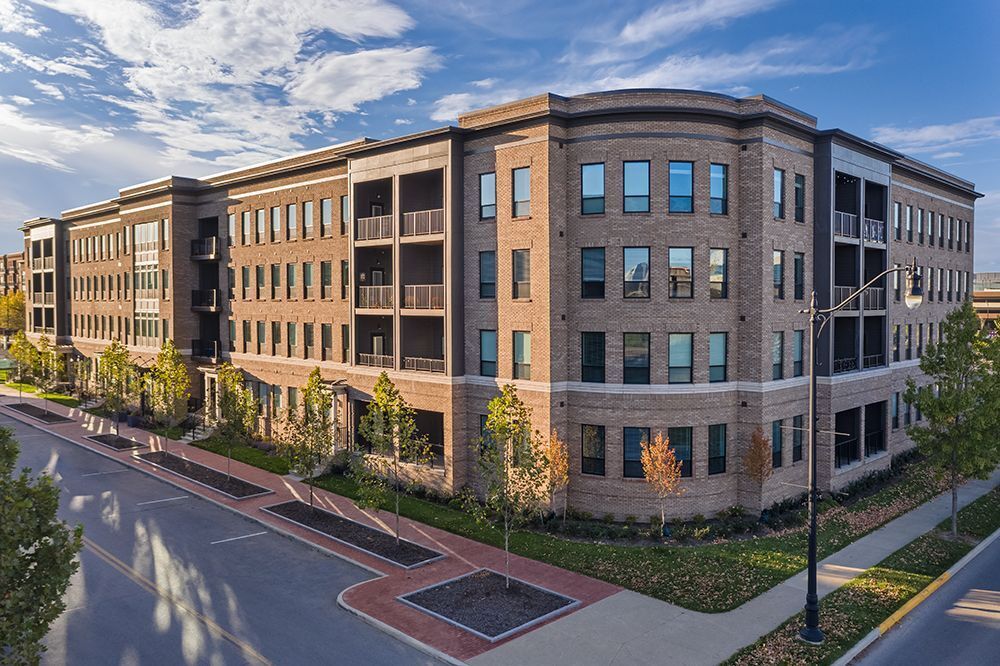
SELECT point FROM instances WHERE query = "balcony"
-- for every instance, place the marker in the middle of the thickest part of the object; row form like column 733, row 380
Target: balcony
column 43, row 263
column 423, row 296
column 873, row 231
column 423, row 364
column 841, row 293
column 845, row 364
column 43, row 298
column 845, row 225
column 375, row 298
column 376, row 360
column 874, row 298
column 874, row 361
column 205, row 249
column 374, row 228
column 423, row 222
column 207, row 349
column 206, row 300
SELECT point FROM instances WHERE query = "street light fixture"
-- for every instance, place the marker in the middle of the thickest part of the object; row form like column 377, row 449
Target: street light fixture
column 811, row 633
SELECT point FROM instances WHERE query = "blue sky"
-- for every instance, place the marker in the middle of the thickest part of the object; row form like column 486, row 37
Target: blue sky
column 99, row 94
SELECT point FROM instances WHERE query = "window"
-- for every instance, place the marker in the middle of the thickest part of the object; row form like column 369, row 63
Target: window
column 800, row 198
column 719, row 189
column 261, row 225
column 776, row 443
column 632, row 439
column 920, row 226
column 293, row 398
column 681, row 187
column 895, row 342
column 951, row 223
column 307, row 340
column 681, row 272
column 291, row 222
column 345, row 214
column 799, row 275
column 636, row 272
column 326, row 279
column 259, row 273
column 592, row 357
column 307, row 219
column 345, row 343
column 907, row 413
column 246, row 281
column 777, row 354
column 290, row 281
column 798, row 341
column 261, row 332
column 592, row 272
column 718, row 273
column 307, row 279
column 246, row 336
column 909, row 224
column 276, row 399
column 679, row 358
column 894, row 410
column 487, row 196
column 326, row 341
column 522, row 355
column 488, row 274
column 325, row 217
column 797, row 430
column 521, row 263
column 230, row 283
column 920, row 340
column 275, row 224
column 345, row 279
column 930, row 228
column 245, row 228
column 488, row 353
column 909, row 341
column 592, row 188
column 680, row 442
column 636, row 358
column 940, row 285
column 522, row 191
column 779, row 194
column 717, row 448
column 896, row 228
column 717, row 354
column 592, row 450
column 275, row 337
column 636, row 187
column 778, row 261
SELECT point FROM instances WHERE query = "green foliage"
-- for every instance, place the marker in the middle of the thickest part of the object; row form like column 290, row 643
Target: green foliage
column 25, row 355
column 117, row 376
column 251, row 455
column 306, row 433
column 237, row 406
column 50, row 369
column 12, row 311
column 37, row 557
column 169, row 381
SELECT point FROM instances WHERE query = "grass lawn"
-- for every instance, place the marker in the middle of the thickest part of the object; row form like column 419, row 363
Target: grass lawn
column 245, row 454
column 24, row 388
column 849, row 613
column 64, row 400
column 711, row 577
column 173, row 432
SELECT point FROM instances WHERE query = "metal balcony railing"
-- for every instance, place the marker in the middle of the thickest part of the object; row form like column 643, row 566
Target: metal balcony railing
column 43, row 263
column 376, row 360
column 841, row 293
column 874, row 298
column 874, row 442
column 423, row 222
column 846, row 364
column 845, row 224
column 374, row 228
column 874, row 231
column 205, row 349
column 206, row 299
column 874, row 360
column 846, row 451
column 423, row 296
column 423, row 364
column 205, row 248
column 379, row 298
column 43, row 298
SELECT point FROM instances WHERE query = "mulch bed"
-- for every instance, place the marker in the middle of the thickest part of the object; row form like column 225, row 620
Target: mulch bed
column 36, row 412
column 481, row 603
column 116, row 442
column 206, row 476
column 375, row 542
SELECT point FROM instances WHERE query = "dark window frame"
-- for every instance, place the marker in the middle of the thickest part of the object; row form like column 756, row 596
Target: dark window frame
column 488, row 211
column 685, row 201
column 488, row 289
column 638, row 372
column 717, row 463
column 626, row 196
column 676, row 284
column 722, row 207
column 593, row 465
column 593, row 199
column 632, row 466
column 725, row 365
column 800, row 198
column 592, row 372
column 649, row 274
column 592, row 292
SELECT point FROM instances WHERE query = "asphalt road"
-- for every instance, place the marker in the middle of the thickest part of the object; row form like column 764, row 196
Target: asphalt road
column 169, row 578
column 958, row 624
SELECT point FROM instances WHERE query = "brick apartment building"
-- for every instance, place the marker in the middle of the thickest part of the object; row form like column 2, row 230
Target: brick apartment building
column 986, row 299
column 11, row 272
column 633, row 261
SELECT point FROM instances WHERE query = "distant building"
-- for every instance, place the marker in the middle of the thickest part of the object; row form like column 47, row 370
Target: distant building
column 11, row 266
column 986, row 299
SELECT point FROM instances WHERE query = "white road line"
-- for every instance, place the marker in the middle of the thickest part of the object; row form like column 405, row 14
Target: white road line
column 113, row 471
column 167, row 499
column 245, row 536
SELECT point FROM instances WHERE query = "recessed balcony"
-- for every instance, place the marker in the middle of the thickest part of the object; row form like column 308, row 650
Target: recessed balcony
column 206, row 349
column 376, row 360
column 375, row 298
column 873, row 298
column 842, row 293
column 205, row 249
column 419, row 364
column 377, row 227
column 845, row 225
column 873, row 231
column 206, row 300
column 423, row 297
column 423, row 223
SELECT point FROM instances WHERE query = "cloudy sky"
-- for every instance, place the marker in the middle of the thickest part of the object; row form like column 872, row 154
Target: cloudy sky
column 99, row 94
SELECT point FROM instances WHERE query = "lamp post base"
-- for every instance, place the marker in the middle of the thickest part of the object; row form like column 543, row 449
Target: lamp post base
column 813, row 636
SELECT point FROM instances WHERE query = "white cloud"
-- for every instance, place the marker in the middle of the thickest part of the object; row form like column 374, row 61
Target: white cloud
column 485, row 83
column 947, row 155
column 51, row 66
column 21, row 101
column 48, row 89
column 930, row 138
column 402, row 121
column 17, row 17
column 40, row 141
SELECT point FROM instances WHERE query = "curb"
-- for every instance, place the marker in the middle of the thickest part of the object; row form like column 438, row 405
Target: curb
column 891, row 621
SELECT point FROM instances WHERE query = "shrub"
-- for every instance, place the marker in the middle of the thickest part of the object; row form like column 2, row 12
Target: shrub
column 701, row 533
column 608, row 518
column 630, row 520
column 698, row 519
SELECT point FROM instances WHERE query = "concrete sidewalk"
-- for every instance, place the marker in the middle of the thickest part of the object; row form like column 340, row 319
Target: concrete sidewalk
column 630, row 628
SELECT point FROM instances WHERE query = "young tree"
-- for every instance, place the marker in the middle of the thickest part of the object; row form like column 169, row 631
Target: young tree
column 513, row 466
column 557, row 458
column 757, row 461
column 12, row 312
column 117, row 376
column 961, row 403
column 307, row 432
column 50, row 369
column 390, row 427
column 170, row 383
column 25, row 355
column 237, row 409
column 37, row 557
column 662, row 470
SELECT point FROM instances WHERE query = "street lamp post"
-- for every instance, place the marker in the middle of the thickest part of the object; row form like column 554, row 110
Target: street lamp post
column 811, row 633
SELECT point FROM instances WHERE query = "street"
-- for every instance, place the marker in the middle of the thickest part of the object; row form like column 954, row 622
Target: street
column 169, row 578
column 957, row 624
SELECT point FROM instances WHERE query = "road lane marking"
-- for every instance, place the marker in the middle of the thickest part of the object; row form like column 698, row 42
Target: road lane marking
column 245, row 536
column 113, row 471
column 166, row 499
column 155, row 590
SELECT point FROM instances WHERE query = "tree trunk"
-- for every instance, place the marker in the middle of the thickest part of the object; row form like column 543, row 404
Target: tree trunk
column 663, row 517
column 565, row 504
column 229, row 462
column 506, row 551
column 396, row 489
column 954, row 494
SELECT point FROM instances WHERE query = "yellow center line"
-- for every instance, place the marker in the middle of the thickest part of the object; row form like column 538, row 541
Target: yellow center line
column 155, row 590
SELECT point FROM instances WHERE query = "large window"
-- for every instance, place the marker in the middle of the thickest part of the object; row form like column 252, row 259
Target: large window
column 681, row 187
column 307, row 279
column 681, row 272
column 909, row 224
column 680, row 442
column 326, row 341
column 718, row 273
column 521, row 262
column 779, row 194
column 488, row 353
column 345, row 214
column 717, row 353
column 719, row 189
column 345, row 343
column 592, row 357
column 326, row 217
column 522, row 191
column 245, row 274
column 717, row 448
column 592, row 450
column 275, row 337
column 896, row 228
column 290, row 282
column 636, row 187
column 632, row 439
column 799, row 275
column 275, row 224
column 291, row 221
column 230, row 232
column 636, row 275
column 778, row 263
column 488, row 274
column 522, row 355
column 797, row 435
column 680, row 358
column 261, row 225
column 636, row 358
column 245, row 228
column 777, row 355
column 798, row 338
column 592, row 272
column 259, row 272
column 487, row 196
column 307, row 219
column 776, row 443
column 920, row 226
column 326, row 279
column 800, row 198
column 345, row 279
column 592, row 188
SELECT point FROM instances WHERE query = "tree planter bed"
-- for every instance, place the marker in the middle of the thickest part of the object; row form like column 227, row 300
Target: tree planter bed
column 205, row 476
column 479, row 603
column 36, row 412
column 116, row 442
column 375, row 542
